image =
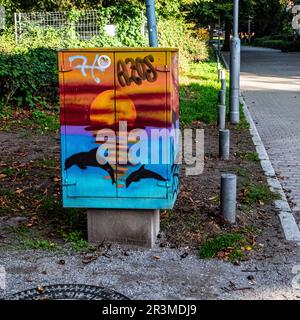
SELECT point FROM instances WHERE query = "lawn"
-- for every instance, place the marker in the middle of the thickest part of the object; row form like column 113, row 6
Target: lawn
column 199, row 88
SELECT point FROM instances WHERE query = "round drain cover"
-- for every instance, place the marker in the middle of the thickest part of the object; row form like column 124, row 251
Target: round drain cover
column 68, row 292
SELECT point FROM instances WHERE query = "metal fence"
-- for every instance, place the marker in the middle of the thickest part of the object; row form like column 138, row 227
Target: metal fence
column 86, row 26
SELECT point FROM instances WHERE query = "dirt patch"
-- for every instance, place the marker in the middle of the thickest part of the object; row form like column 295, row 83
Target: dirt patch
column 30, row 191
column 196, row 215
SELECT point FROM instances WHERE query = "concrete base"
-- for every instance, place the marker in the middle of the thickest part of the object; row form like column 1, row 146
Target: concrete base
column 131, row 227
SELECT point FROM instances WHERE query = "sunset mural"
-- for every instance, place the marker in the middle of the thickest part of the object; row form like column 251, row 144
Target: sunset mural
column 98, row 90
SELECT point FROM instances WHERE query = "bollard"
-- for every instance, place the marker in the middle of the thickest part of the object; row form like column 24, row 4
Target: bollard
column 222, row 97
column 219, row 71
column 224, row 143
column 223, row 79
column 221, row 116
column 228, row 197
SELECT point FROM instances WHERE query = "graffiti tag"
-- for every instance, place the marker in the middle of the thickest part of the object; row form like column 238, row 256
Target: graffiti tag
column 100, row 63
column 296, row 18
column 136, row 70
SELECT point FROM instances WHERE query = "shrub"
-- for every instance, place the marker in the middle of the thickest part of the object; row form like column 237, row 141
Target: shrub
column 175, row 33
column 285, row 46
column 29, row 71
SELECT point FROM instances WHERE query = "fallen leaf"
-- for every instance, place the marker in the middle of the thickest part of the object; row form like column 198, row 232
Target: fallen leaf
column 2, row 175
column 89, row 258
column 18, row 191
column 157, row 257
column 40, row 290
column 248, row 248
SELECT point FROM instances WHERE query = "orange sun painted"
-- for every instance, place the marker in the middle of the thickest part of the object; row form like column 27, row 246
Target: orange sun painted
column 102, row 109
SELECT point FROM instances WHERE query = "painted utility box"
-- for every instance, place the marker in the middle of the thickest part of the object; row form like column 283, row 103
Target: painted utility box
column 119, row 115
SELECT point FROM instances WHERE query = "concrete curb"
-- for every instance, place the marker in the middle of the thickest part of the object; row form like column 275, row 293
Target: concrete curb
column 287, row 219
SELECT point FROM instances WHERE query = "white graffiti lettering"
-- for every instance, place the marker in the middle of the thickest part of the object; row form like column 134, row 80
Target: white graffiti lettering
column 100, row 63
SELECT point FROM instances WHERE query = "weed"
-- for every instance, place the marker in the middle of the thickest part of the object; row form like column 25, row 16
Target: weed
column 255, row 193
column 10, row 172
column 242, row 172
column 78, row 244
column 243, row 124
column 44, row 121
column 19, row 230
column 82, row 246
column 50, row 163
column 7, row 192
column 72, row 236
column 252, row 156
column 233, row 241
column 39, row 244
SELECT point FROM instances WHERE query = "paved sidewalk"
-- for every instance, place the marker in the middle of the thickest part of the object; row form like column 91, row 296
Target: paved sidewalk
column 270, row 84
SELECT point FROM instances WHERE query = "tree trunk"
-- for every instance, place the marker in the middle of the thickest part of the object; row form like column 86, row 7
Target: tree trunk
column 226, row 45
column 211, row 32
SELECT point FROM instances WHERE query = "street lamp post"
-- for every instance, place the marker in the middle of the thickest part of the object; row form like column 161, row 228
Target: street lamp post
column 235, row 58
column 151, row 23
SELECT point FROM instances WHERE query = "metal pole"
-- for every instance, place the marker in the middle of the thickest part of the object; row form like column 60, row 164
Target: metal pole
column 219, row 37
column 223, row 81
column 221, row 116
column 249, row 30
column 219, row 70
column 224, row 144
column 228, row 197
column 151, row 23
column 222, row 97
column 235, row 58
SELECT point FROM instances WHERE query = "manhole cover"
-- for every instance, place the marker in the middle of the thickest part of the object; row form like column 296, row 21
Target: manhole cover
column 68, row 292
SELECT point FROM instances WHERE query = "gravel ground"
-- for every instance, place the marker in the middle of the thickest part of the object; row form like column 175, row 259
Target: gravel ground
column 138, row 274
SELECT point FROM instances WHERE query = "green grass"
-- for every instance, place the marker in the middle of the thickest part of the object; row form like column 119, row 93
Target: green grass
column 78, row 244
column 255, row 193
column 45, row 122
column 10, row 172
column 41, row 244
column 7, row 192
column 252, row 156
column 19, row 230
column 36, row 119
column 243, row 124
column 49, row 163
column 234, row 240
column 198, row 92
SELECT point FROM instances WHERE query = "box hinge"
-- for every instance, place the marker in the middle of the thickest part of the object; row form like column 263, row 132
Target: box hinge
column 165, row 184
column 68, row 183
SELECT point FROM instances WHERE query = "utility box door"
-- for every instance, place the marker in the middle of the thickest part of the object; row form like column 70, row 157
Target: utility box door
column 141, row 84
column 87, row 91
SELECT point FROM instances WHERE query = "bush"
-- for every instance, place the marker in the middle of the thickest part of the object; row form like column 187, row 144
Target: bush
column 284, row 45
column 29, row 71
column 175, row 33
column 268, row 43
column 29, row 78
